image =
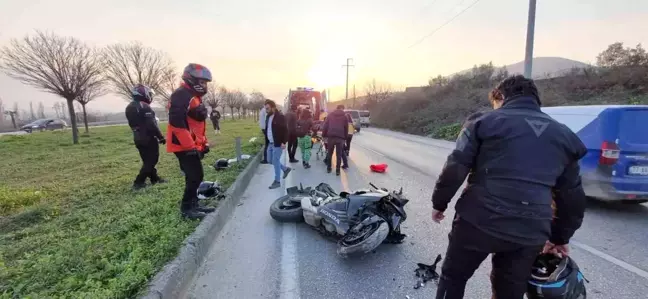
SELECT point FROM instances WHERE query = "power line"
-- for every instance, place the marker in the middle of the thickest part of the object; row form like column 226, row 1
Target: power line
column 443, row 25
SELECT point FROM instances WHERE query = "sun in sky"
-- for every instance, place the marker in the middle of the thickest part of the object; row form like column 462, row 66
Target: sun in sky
column 326, row 70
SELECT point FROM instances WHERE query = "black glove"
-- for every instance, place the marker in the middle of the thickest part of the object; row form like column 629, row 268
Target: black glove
column 161, row 140
column 205, row 150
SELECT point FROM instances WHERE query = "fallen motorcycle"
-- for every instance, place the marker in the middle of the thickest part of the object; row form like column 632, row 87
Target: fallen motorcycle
column 359, row 221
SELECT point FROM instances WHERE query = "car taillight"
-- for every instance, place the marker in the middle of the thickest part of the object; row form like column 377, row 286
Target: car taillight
column 609, row 153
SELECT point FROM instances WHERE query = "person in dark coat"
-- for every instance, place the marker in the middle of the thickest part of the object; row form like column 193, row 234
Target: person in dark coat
column 277, row 134
column 515, row 157
column 215, row 118
column 291, row 122
column 336, row 130
column 146, row 134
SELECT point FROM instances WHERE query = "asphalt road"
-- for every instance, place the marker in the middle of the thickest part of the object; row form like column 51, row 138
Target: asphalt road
column 255, row 257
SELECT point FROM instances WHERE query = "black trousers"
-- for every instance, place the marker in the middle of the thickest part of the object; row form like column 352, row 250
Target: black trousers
column 469, row 246
column 348, row 143
column 150, row 155
column 192, row 167
column 338, row 144
column 292, row 146
column 265, row 147
column 216, row 124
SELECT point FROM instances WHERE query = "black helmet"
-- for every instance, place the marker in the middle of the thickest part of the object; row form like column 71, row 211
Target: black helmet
column 142, row 93
column 221, row 164
column 193, row 74
column 208, row 190
column 553, row 277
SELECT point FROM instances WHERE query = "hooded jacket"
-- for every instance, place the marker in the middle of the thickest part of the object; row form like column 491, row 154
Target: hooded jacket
column 514, row 158
column 336, row 125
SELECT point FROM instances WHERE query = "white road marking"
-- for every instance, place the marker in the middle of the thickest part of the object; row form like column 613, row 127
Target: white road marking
column 610, row 259
column 289, row 288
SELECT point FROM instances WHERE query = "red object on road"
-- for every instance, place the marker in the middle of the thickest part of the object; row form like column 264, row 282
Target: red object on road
column 380, row 168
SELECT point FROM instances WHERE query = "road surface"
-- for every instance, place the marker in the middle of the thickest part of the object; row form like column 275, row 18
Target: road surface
column 256, row 257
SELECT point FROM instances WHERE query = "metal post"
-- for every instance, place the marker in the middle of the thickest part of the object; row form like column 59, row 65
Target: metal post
column 528, row 57
column 238, row 149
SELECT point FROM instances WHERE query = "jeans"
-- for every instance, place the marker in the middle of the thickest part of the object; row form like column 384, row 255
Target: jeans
column 338, row 144
column 469, row 247
column 150, row 154
column 192, row 167
column 292, row 146
column 305, row 144
column 274, row 156
column 265, row 146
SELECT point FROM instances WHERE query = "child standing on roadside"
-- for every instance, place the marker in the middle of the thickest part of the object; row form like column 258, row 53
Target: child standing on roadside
column 304, row 127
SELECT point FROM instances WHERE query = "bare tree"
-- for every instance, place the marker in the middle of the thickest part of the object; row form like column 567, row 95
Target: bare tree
column 91, row 92
column 170, row 82
column 41, row 110
column 13, row 114
column 239, row 101
column 213, row 98
column 133, row 63
column 229, row 99
column 256, row 103
column 32, row 114
column 376, row 92
column 2, row 112
column 59, row 65
column 57, row 109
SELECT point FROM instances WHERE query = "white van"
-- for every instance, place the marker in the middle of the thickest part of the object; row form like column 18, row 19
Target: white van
column 365, row 119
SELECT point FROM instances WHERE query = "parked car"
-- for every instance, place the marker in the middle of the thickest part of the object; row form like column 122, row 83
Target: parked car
column 615, row 167
column 355, row 116
column 44, row 124
column 365, row 118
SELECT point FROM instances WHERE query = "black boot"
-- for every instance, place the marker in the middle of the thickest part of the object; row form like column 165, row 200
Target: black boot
column 193, row 214
column 158, row 180
column 138, row 186
column 337, row 172
column 328, row 169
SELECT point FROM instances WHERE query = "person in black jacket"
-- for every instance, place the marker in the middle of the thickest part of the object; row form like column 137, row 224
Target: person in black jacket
column 336, row 130
column 514, row 157
column 215, row 118
column 277, row 134
column 291, row 122
column 146, row 134
column 304, row 133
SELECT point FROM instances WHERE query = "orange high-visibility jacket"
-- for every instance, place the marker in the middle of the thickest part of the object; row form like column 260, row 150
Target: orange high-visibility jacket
column 186, row 128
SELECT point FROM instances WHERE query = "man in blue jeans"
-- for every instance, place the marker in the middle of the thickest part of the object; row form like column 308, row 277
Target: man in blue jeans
column 277, row 136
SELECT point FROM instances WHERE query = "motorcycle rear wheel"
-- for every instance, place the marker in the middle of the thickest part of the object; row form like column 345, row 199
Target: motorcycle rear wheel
column 285, row 210
column 368, row 239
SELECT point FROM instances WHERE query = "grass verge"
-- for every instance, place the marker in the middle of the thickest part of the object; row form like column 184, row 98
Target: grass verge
column 70, row 227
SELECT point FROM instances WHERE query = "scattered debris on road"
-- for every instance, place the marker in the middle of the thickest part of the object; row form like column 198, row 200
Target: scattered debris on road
column 426, row 273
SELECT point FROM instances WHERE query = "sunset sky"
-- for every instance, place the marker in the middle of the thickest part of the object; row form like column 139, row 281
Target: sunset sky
column 272, row 46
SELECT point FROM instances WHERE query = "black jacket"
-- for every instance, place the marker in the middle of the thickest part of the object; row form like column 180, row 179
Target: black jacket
column 214, row 115
column 304, row 127
column 291, row 122
column 141, row 119
column 336, row 125
column 279, row 129
column 515, row 156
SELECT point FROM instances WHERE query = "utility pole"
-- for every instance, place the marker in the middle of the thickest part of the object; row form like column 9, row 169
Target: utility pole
column 528, row 57
column 347, row 65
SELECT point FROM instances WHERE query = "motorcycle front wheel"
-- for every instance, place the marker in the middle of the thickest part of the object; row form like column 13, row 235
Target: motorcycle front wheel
column 368, row 238
column 286, row 210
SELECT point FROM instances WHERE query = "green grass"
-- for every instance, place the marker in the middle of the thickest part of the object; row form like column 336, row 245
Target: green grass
column 70, row 227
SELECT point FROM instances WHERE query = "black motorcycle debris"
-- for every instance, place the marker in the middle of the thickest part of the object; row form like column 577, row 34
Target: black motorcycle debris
column 426, row 273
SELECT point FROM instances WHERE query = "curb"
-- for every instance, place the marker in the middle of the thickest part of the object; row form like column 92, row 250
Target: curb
column 172, row 280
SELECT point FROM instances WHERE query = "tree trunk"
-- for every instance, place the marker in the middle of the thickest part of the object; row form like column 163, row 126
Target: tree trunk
column 13, row 120
column 232, row 110
column 85, row 118
column 73, row 122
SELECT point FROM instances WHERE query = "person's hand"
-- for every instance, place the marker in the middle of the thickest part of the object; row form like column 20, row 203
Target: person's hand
column 437, row 216
column 283, row 146
column 558, row 250
column 161, row 140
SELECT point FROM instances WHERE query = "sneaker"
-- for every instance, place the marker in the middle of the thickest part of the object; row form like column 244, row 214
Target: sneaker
column 307, row 166
column 337, row 172
column 328, row 169
column 138, row 186
column 286, row 172
column 193, row 214
column 345, row 167
column 206, row 210
column 158, row 181
column 275, row 185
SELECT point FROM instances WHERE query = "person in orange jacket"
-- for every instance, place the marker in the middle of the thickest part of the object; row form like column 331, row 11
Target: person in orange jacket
column 186, row 134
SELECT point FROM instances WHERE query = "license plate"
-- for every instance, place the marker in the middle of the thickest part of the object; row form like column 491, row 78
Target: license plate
column 638, row 170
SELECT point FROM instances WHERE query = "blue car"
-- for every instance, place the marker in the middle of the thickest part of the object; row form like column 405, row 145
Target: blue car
column 615, row 167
